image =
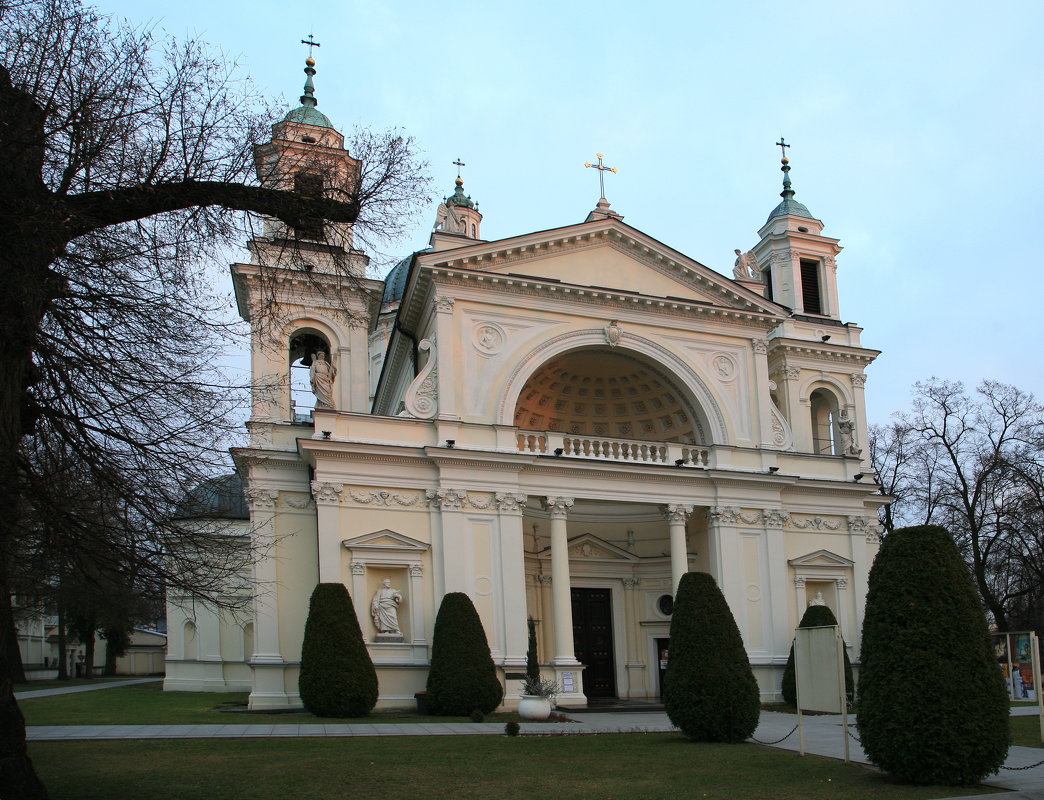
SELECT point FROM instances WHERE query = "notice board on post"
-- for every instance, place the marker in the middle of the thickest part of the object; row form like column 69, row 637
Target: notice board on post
column 820, row 684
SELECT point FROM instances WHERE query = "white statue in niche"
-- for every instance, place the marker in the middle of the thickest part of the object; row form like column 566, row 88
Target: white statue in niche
column 322, row 373
column 385, row 608
column 847, row 428
column 818, row 600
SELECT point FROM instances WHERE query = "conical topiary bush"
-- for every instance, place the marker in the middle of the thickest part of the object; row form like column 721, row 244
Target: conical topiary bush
column 337, row 677
column 709, row 689
column 462, row 677
column 932, row 703
column 814, row 617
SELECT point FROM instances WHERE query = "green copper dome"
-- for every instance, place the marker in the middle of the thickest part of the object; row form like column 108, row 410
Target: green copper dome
column 789, row 205
column 307, row 113
column 458, row 199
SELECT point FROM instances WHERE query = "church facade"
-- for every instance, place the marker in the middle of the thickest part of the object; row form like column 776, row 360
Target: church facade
column 559, row 424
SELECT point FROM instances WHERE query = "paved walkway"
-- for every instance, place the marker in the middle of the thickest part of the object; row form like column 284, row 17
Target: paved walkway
column 824, row 734
column 85, row 687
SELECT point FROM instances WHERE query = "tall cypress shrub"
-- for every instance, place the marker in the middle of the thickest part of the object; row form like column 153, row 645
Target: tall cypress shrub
column 709, row 689
column 814, row 617
column 532, row 664
column 462, row 677
column 932, row 702
column 337, row 677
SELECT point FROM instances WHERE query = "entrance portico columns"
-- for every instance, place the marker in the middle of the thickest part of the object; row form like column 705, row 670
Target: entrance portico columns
column 677, row 514
column 561, row 594
column 568, row 671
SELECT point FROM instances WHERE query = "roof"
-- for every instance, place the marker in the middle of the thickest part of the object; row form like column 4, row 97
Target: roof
column 223, row 497
column 395, row 280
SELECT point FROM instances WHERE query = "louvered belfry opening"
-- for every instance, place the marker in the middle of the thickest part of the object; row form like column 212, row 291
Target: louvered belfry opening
column 811, row 299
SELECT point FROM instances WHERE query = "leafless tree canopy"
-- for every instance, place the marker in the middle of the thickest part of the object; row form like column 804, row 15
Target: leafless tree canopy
column 974, row 463
column 126, row 168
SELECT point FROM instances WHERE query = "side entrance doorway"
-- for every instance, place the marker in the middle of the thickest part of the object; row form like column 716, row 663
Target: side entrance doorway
column 593, row 640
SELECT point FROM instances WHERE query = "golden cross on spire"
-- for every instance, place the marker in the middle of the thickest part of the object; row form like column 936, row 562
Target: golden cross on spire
column 310, row 41
column 602, row 169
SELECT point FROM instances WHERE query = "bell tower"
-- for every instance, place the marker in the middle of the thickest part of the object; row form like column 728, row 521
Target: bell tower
column 457, row 219
column 307, row 155
column 794, row 260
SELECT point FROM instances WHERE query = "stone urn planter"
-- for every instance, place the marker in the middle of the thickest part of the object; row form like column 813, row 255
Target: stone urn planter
column 534, row 707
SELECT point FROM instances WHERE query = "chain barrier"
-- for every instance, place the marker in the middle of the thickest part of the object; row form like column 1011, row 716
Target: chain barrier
column 854, row 737
column 1028, row 766
column 777, row 741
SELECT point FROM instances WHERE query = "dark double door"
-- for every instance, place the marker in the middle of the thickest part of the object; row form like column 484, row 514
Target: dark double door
column 593, row 640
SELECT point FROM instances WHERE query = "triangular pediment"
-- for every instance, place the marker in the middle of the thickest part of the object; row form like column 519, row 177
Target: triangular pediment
column 588, row 547
column 602, row 255
column 384, row 540
column 821, row 558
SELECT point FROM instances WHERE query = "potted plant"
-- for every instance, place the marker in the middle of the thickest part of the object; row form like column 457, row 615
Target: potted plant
column 537, row 694
column 537, row 698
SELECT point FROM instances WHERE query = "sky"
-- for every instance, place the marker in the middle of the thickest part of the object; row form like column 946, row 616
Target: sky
column 914, row 127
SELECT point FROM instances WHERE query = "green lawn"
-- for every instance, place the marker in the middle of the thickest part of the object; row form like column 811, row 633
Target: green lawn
column 647, row 766
column 30, row 686
column 1025, row 731
column 148, row 704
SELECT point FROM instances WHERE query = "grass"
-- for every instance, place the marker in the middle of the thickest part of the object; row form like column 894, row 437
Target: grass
column 148, row 704
column 30, row 686
column 649, row 766
column 1025, row 731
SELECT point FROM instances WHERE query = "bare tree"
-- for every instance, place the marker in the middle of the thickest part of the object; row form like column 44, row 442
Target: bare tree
column 974, row 465
column 125, row 170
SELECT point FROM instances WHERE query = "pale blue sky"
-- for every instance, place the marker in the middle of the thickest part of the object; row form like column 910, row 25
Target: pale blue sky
column 915, row 129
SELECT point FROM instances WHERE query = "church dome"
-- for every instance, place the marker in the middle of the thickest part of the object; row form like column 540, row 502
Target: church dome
column 458, row 199
column 789, row 206
column 395, row 280
column 307, row 113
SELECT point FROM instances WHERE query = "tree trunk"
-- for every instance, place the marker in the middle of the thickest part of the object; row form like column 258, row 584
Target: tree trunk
column 63, row 661
column 17, row 776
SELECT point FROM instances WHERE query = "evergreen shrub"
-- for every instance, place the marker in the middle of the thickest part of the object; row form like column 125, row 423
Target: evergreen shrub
column 337, row 677
column 709, row 688
column 932, row 703
column 462, row 676
column 814, row 617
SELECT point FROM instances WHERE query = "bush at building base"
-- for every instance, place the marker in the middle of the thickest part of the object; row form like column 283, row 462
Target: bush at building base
column 462, row 677
column 337, row 677
column 932, row 702
column 814, row 617
column 709, row 689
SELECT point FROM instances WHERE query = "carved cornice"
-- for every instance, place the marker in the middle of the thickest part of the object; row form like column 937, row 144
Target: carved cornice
column 838, row 354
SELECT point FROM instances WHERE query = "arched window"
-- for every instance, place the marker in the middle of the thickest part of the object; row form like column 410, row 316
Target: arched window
column 826, row 439
column 191, row 645
column 304, row 345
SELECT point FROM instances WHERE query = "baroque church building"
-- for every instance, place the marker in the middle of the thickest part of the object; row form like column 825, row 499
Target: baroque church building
column 559, row 424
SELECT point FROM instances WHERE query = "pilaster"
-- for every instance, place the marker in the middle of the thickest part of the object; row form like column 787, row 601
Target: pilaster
column 328, row 525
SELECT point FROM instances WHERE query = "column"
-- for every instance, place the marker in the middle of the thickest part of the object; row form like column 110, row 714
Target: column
column 513, row 578
column 417, row 622
column 800, row 597
column 358, row 570
column 676, row 516
column 268, row 690
column 328, row 530
column 442, row 305
column 561, row 596
column 456, row 570
column 635, row 666
column 762, row 398
column 357, row 393
column 841, row 585
column 725, row 556
column 544, row 632
column 775, row 520
column 859, row 412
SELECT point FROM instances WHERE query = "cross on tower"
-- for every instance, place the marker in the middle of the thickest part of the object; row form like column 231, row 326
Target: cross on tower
column 311, row 43
column 458, row 164
column 782, row 145
column 602, row 169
